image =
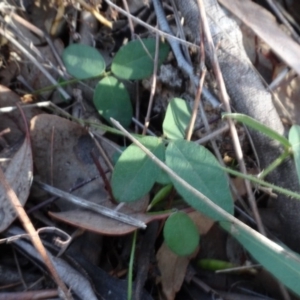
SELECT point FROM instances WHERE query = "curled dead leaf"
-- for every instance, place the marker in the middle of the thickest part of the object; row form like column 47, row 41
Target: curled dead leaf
column 17, row 168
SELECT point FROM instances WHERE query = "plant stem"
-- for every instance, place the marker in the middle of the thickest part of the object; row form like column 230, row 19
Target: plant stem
column 130, row 270
column 274, row 164
column 263, row 183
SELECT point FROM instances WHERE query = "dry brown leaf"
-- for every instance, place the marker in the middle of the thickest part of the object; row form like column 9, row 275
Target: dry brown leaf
column 16, row 153
column 62, row 158
column 172, row 269
column 18, row 173
column 98, row 223
column 103, row 225
column 203, row 223
column 172, row 266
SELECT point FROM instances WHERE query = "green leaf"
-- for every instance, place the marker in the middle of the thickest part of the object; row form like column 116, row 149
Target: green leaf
column 177, row 119
column 294, row 138
column 283, row 264
column 250, row 122
column 135, row 173
column 181, row 234
column 117, row 155
column 83, row 61
column 135, row 60
column 197, row 166
column 160, row 195
column 214, row 264
column 112, row 100
column 163, row 177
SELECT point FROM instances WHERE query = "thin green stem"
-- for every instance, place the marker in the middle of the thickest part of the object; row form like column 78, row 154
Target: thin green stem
column 263, row 183
column 279, row 160
column 130, row 270
column 260, row 127
column 67, row 82
column 54, row 86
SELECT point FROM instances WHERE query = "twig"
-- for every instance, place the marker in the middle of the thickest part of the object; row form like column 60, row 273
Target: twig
column 153, row 85
column 36, row 294
column 181, row 61
column 181, row 32
column 200, row 87
column 130, row 23
column 57, row 109
column 196, row 106
column 39, row 33
column 54, row 198
column 277, row 81
column 225, row 100
column 164, row 25
column 149, row 27
column 213, row 134
column 239, row 268
column 92, row 206
column 28, row 43
column 104, row 178
column 139, row 124
column 79, row 283
column 9, row 37
column 137, row 102
column 51, row 154
column 19, row 271
column 102, row 152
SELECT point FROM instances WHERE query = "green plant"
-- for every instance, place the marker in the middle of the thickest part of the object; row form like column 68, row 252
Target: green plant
column 135, row 174
column 180, row 230
column 177, row 118
column 280, row 261
column 133, row 61
column 191, row 169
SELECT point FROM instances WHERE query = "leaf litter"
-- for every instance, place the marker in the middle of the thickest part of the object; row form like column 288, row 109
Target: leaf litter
column 60, row 155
